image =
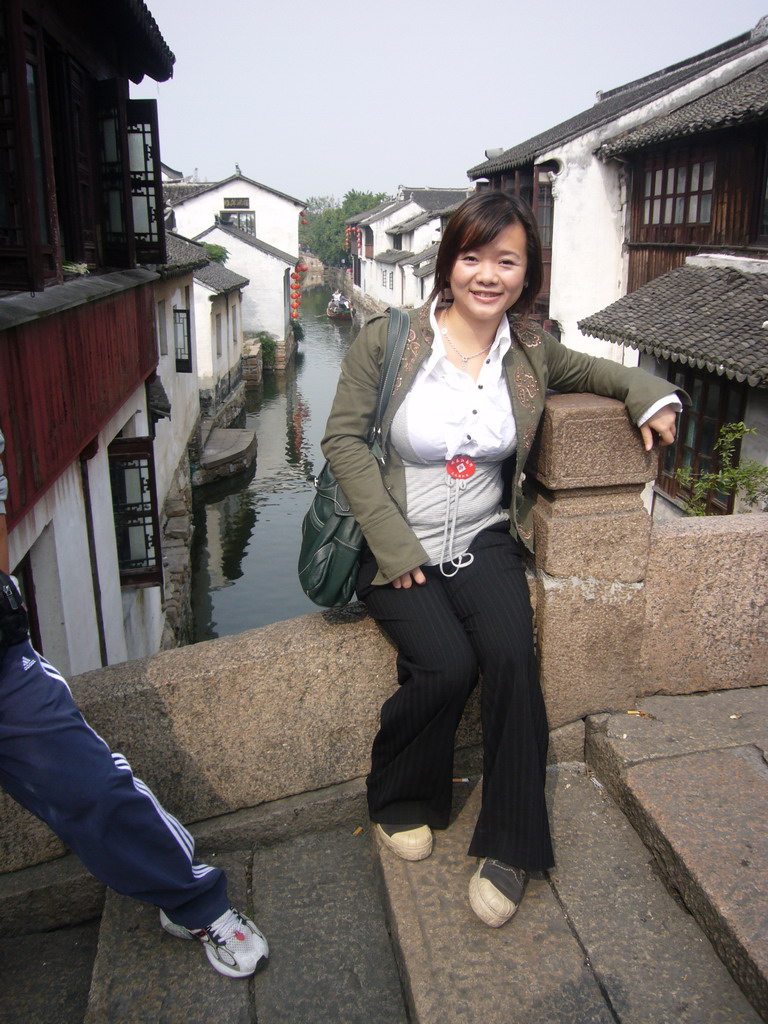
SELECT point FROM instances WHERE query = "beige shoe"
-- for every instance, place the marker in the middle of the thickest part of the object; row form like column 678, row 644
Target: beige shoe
column 411, row 844
column 496, row 891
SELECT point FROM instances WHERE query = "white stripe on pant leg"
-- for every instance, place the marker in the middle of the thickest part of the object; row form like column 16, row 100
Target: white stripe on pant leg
column 177, row 830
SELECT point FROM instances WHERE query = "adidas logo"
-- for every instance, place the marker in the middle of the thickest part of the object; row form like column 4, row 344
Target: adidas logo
column 27, row 664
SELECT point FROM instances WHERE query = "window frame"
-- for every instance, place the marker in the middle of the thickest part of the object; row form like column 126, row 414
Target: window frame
column 761, row 227
column 668, row 183
column 242, row 220
column 182, row 339
column 80, row 205
column 125, row 452
column 698, row 429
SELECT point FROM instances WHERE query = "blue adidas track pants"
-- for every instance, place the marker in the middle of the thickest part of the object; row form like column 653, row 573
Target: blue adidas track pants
column 56, row 766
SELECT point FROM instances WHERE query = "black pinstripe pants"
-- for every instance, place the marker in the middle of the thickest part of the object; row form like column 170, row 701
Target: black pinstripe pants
column 447, row 632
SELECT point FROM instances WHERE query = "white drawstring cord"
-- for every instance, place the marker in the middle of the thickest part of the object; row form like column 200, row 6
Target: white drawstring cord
column 449, row 527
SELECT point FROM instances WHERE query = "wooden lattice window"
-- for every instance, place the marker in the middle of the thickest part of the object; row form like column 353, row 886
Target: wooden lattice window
column 182, row 335
column 678, row 189
column 134, row 506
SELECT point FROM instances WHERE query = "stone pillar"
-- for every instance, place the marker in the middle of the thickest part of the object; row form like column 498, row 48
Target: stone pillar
column 592, row 545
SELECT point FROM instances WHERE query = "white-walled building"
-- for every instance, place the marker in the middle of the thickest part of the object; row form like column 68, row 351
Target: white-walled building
column 652, row 207
column 582, row 199
column 209, row 310
column 393, row 245
column 266, row 299
column 259, row 227
column 218, row 302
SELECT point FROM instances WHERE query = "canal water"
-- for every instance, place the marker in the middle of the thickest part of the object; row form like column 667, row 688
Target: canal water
column 248, row 528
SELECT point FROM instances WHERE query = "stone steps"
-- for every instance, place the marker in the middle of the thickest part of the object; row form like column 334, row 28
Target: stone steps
column 316, row 897
column 605, row 937
column 690, row 774
column 600, row 940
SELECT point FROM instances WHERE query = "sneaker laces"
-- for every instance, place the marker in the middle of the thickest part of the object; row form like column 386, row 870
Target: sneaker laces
column 229, row 929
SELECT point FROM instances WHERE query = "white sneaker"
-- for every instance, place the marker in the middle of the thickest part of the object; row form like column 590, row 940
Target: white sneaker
column 233, row 943
column 409, row 843
column 496, row 891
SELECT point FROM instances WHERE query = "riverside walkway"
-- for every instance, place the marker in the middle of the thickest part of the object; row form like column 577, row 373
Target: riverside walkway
column 661, row 881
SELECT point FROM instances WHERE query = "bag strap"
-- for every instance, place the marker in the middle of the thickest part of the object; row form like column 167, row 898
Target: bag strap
column 397, row 335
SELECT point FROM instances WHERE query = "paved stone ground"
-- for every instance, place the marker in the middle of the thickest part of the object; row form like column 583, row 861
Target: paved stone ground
column 602, row 939
column 45, row 977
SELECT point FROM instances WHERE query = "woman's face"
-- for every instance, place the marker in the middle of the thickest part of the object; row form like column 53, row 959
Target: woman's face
column 486, row 281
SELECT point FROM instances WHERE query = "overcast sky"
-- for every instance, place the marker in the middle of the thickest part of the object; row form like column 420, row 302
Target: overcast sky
column 319, row 98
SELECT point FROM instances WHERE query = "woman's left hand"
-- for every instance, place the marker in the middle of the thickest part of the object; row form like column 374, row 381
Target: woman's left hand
column 663, row 423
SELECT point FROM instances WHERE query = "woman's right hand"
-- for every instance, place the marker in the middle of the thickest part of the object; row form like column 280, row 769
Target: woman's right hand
column 409, row 578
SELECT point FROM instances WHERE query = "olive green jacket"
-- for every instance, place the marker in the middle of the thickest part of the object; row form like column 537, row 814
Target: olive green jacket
column 535, row 363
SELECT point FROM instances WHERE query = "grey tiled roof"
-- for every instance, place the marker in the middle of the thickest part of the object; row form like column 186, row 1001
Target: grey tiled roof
column 174, row 194
column 432, row 200
column 709, row 317
column 612, row 104
column 358, row 218
column 392, row 256
column 422, row 218
column 435, row 198
column 425, row 269
column 177, row 191
column 182, row 254
column 371, row 216
column 251, row 240
column 743, row 100
column 219, row 278
column 430, row 253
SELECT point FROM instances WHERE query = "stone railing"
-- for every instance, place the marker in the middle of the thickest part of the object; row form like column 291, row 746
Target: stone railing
column 623, row 609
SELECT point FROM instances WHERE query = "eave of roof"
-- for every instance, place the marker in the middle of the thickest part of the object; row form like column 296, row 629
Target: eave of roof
column 378, row 213
column 393, row 256
column 208, row 186
column 707, row 316
column 430, row 253
column 740, row 101
column 182, row 255
column 138, row 38
column 220, row 279
column 358, row 218
column 612, row 104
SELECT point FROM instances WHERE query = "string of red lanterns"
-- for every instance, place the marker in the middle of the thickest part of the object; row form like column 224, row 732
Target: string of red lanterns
column 296, row 276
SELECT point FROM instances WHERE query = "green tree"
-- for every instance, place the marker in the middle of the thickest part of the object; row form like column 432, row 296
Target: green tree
column 324, row 234
column 746, row 478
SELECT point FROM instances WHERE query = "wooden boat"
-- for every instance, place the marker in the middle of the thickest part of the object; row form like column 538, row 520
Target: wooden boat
column 339, row 310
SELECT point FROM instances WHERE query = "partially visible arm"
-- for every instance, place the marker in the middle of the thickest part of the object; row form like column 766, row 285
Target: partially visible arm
column 640, row 391
column 345, row 444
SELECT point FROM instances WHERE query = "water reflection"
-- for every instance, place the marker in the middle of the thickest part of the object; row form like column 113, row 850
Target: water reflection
column 247, row 529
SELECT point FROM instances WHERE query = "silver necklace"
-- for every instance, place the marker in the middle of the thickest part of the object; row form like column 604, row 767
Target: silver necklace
column 464, row 359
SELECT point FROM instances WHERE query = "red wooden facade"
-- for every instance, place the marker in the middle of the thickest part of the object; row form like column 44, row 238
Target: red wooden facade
column 61, row 380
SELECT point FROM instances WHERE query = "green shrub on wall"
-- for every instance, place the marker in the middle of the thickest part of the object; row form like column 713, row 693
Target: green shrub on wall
column 268, row 349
